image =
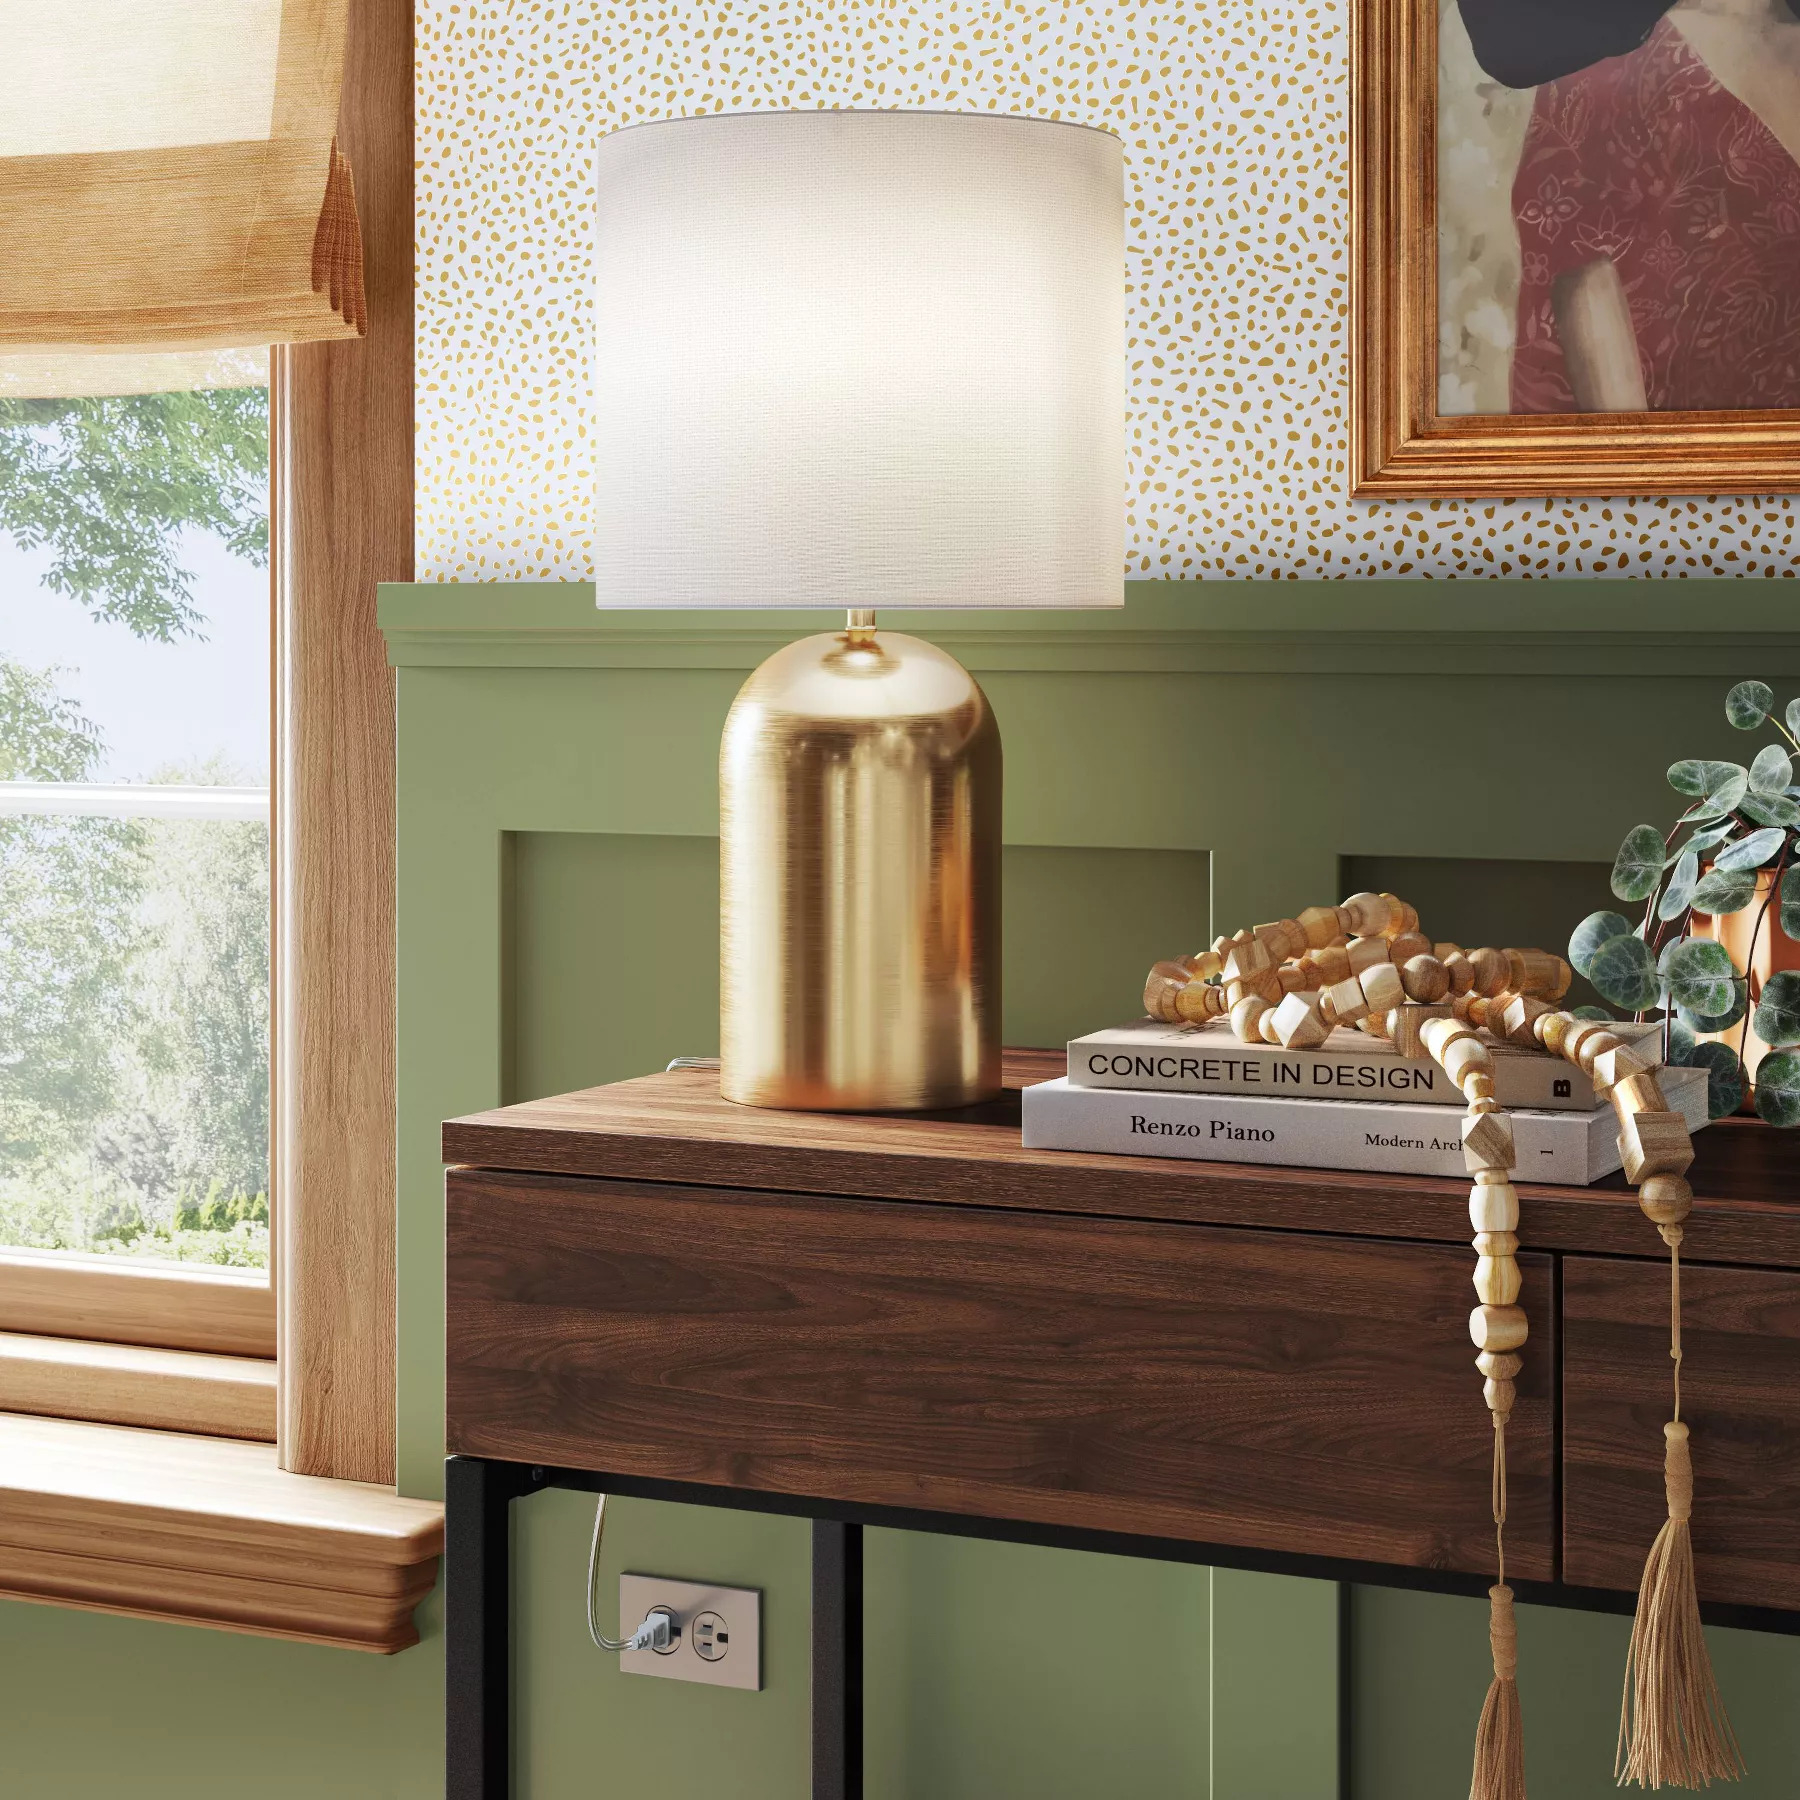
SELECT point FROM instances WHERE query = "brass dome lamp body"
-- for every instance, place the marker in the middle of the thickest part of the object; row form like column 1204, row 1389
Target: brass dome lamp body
column 860, row 794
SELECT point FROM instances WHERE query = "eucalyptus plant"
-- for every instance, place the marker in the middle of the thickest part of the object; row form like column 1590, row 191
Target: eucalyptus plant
column 1737, row 823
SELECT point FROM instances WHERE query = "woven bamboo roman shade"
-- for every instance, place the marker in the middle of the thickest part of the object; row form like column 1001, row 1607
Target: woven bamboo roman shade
column 170, row 177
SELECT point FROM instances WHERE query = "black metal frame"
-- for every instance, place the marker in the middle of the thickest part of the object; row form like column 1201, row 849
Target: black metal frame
column 478, row 1496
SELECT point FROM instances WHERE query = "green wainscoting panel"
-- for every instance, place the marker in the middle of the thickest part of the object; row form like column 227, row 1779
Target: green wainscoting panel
column 1205, row 758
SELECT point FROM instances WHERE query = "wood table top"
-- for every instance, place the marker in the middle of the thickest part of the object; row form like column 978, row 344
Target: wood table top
column 675, row 1127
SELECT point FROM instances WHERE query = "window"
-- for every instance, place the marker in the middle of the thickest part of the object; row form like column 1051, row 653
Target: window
column 134, row 809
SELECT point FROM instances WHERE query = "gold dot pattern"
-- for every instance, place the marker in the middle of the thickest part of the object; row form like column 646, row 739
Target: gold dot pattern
column 1234, row 118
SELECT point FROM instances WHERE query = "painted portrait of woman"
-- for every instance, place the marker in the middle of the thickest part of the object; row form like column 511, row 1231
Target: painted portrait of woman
column 1618, row 206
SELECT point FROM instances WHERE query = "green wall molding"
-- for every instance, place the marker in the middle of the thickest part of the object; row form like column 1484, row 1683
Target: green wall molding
column 1621, row 627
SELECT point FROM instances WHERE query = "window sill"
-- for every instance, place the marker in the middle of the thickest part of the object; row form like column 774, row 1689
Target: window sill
column 208, row 1531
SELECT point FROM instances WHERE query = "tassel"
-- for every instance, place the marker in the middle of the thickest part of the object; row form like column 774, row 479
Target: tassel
column 1673, row 1731
column 1500, row 1737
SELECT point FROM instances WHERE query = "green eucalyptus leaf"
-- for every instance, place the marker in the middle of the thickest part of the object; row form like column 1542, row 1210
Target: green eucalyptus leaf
column 1789, row 912
column 1778, row 1088
column 1624, row 972
column 1752, row 852
column 1640, row 863
column 1740, row 1004
column 1589, row 1012
column 1590, row 934
column 1772, row 770
column 1709, row 835
column 1724, row 891
column 1724, row 798
column 1766, row 809
column 1681, row 1043
column 1700, row 975
column 1748, row 704
column 1793, row 717
column 1724, row 1078
column 1680, row 890
column 1697, row 776
column 1777, row 1020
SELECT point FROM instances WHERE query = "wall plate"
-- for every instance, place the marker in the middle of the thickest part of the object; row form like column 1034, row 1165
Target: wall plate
column 719, row 1629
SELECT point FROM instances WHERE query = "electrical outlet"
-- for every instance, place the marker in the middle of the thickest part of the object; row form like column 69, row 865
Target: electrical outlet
column 718, row 1631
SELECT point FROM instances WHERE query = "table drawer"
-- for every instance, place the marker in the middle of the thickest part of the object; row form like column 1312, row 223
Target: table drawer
column 1295, row 1393
column 1740, row 1389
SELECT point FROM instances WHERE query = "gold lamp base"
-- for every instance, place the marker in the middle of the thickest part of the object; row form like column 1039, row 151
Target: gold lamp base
column 859, row 870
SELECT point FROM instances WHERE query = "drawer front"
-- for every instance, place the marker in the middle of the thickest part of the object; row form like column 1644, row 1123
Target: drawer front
column 1280, row 1391
column 1740, row 1394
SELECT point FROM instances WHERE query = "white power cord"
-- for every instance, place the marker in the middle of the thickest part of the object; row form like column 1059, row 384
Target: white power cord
column 658, row 1629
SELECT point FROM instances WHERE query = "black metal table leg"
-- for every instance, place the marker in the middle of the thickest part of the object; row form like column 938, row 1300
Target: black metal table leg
column 477, row 1626
column 837, row 1661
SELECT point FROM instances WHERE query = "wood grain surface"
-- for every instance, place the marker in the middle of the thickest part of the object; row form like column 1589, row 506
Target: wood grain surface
column 119, row 1300
column 1740, row 1395
column 1312, row 1395
column 130, row 1384
column 164, row 1525
column 675, row 1127
column 343, row 471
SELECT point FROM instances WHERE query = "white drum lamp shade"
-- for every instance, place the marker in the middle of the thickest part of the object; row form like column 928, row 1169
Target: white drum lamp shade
column 859, row 359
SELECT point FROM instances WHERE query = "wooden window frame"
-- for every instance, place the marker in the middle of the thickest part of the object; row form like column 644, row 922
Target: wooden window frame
column 133, row 1399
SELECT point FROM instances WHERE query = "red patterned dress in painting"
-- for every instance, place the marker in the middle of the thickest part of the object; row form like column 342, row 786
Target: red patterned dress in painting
column 1648, row 160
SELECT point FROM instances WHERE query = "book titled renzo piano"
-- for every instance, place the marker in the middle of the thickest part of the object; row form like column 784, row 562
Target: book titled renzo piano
column 1386, row 1137
column 1152, row 1057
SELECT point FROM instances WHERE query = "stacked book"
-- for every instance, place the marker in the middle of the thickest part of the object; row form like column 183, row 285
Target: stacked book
column 1150, row 1089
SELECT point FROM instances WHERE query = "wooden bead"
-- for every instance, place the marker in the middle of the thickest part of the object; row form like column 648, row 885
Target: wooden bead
column 1577, row 1033
column 1266, row 1025
column 1499, row 1395
column 1478, row 1084
column 1487, row 1104
column 1612, row 1066
column 1404, row 1024
column 1246, row 1018
column 1537, row 972
column 1440, row 1034
column 1299, row 1025
column 1374, row 1023
column 1637, row 1094
column 1343, row 1003
column 1406, row 946
column 1424, row 978
column 1499, row 1366
column 1488, row 1141
column 1207, row 965
column 1466, row 1056
column 1366, row 952
column 1162, row 988
column 1200, row 1001
column 1498, row 1327
column 1403, row 917
column 1369, row 914
column 1518, row 1017
column 1496, row 1243
column 1282, row 938
column 1591, row 1046
column 1330, row 965
column 1381, row 987
column 1319, row 925
column 1460, row 970
column 1444, row 951
column 1654, row 1143
column 1245, row 962
column 1549, row 1029
column 1496, row 1280
column 1666, row 1199
column 1489, row 969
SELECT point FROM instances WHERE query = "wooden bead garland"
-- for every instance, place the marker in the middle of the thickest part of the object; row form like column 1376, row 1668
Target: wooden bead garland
column 1364, row 963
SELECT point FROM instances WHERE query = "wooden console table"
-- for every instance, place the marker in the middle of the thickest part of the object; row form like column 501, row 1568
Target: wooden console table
column 914, row 1322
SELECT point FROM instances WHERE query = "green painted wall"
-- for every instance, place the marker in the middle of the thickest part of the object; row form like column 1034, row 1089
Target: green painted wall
column 1251, row 747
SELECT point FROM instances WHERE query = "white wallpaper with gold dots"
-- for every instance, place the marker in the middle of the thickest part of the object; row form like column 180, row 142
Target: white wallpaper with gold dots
column 1234, row 118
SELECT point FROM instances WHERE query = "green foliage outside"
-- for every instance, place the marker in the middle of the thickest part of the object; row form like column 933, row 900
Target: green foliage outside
column 134, row 954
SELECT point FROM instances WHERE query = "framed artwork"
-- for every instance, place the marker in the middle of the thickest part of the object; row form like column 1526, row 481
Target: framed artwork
column 1576, row 257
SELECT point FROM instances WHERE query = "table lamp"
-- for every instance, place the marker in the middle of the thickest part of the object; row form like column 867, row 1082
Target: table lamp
column 849, row 360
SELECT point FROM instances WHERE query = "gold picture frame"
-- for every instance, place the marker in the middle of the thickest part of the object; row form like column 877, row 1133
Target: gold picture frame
column 1402, row 447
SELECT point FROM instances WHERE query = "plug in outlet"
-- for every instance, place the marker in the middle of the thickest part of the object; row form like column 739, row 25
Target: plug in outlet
column 717, row 1635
